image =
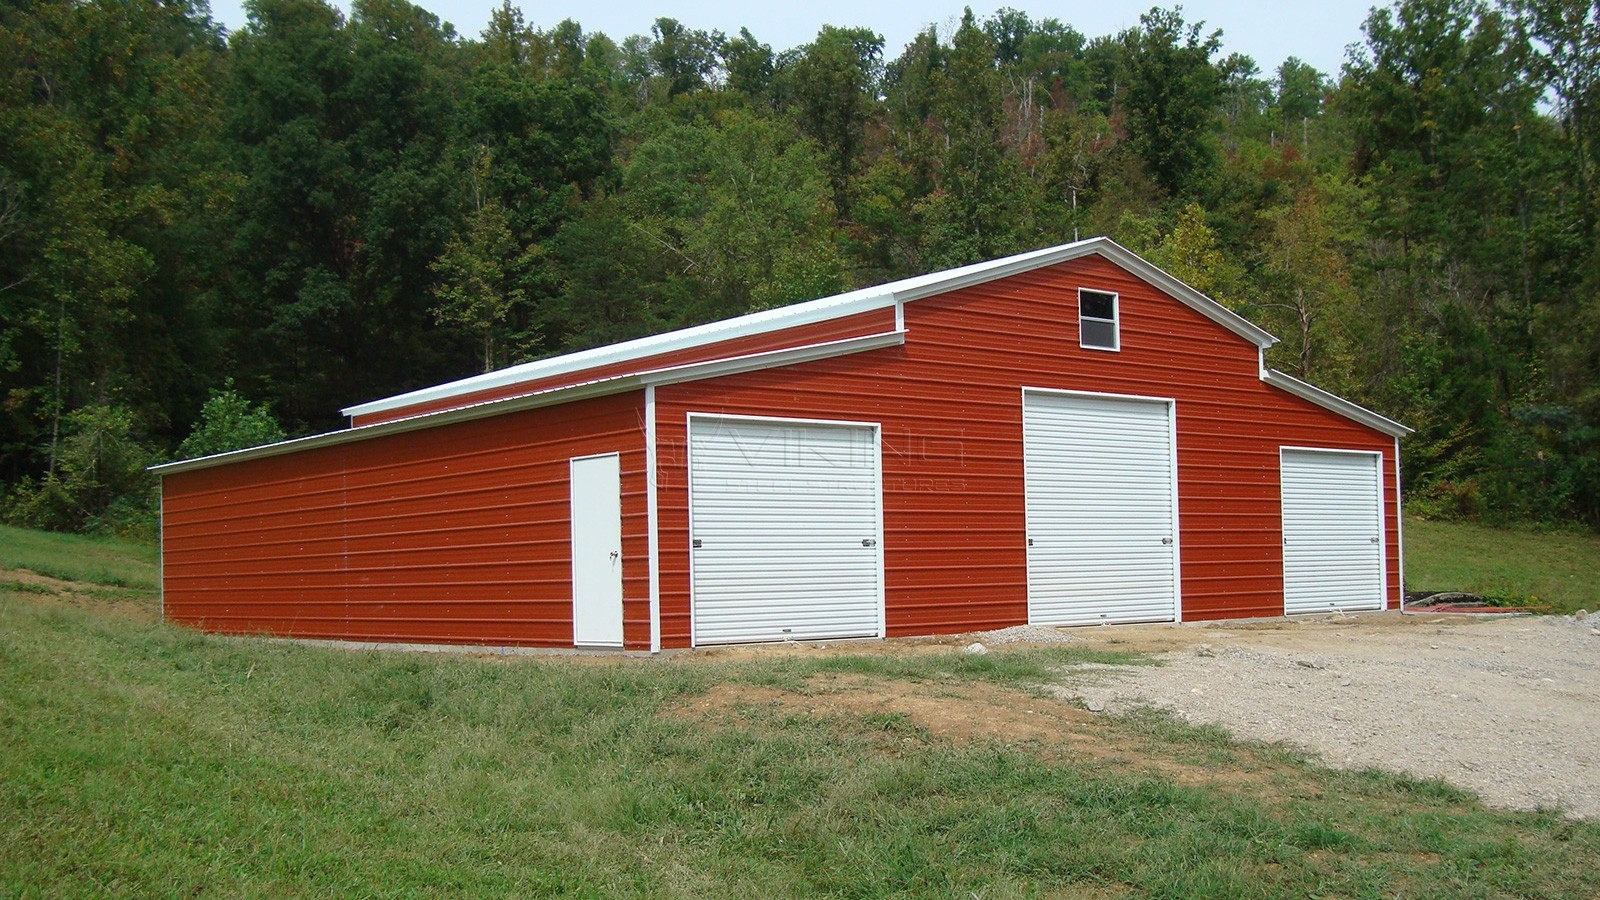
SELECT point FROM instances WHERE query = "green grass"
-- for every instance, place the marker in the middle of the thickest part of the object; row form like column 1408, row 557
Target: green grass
column 107, row 561
column 1556, row 569
column 140, row 759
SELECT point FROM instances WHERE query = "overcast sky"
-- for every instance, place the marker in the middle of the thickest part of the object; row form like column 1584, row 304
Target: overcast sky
column 1266, row 30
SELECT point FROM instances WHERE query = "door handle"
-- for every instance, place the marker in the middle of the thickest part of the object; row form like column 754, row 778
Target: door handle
column 616, row 553
column 1166, row 541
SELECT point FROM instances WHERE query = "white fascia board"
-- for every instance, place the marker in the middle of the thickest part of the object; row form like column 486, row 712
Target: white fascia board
column 1335, row 403
column 808, row 313
column 598, row 388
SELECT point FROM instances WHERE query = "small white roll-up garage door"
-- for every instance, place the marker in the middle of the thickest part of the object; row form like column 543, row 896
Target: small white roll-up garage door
column 1332, row 531
column 784, row 530
column 1101, row 507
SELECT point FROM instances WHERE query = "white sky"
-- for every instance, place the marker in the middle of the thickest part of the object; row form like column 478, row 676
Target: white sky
column 1266, row 30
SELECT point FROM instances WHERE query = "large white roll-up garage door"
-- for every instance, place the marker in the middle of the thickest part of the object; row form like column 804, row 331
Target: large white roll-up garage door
column 1332, row 531
column 1101, row 506
column 784, row 530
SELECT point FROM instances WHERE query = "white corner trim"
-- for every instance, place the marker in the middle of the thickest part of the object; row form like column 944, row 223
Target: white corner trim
column 1334, row 403
column 1399, row 525
column 652, row 515
column 598, row 388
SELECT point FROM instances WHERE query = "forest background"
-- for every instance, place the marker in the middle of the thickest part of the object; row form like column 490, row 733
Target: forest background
column 213, row 239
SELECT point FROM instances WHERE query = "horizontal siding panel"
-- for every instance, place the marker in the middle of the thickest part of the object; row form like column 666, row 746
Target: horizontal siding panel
column 459, row 533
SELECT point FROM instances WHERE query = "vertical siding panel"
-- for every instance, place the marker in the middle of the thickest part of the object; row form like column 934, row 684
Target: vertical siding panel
column 456, row 534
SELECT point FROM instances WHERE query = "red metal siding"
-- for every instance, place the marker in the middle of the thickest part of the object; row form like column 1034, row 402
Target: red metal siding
column 859, row 325
column 950, row 405
column 457, row 534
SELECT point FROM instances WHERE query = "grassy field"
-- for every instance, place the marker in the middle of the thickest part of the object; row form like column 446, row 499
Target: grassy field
column 1525, row 568
column 137, row 758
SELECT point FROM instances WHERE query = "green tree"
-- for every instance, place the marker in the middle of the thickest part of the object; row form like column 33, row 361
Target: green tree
column 481, row 273
column 100, row 482
column 1172, row 95
column 978, row 209
column 1305, row 272
column 343, row 132
column 740, row 210
column 229, row 421
column 832, row 87
column 110, row 193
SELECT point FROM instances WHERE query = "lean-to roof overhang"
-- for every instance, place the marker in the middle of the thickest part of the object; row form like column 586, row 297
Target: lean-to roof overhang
column 601, row 387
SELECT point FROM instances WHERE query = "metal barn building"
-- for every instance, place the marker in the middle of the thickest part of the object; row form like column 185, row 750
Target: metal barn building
column 1068, row 436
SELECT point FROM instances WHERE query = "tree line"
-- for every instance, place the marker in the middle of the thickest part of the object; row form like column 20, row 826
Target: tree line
column 198, row 227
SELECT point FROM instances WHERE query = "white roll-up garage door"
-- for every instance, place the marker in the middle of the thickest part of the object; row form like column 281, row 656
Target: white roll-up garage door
column 1332, row 531
column 784, row 530
column 1101, row 506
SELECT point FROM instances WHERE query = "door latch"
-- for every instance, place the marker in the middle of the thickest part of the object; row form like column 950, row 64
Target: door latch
column 869, row 542
column 1374, row 540
column 695, row 543
column 1167, row 541
column 1030, row 542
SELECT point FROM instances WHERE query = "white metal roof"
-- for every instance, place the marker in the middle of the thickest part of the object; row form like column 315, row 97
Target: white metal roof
column 837, row 306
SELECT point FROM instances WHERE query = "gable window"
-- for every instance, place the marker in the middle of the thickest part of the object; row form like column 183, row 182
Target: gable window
column 1097, row 320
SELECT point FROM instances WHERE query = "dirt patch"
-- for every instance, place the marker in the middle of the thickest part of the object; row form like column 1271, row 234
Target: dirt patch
column 966, row 712
column 1506, row 707
column 958, row 712
column 32, row 587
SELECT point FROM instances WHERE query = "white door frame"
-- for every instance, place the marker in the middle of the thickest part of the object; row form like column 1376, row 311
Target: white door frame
column 596, row 618
column 877, row 460
column 1383, row 536
column 1172, row 476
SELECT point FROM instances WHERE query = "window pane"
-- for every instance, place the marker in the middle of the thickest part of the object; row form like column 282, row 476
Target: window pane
column 1096, row 305
column 1098, row 334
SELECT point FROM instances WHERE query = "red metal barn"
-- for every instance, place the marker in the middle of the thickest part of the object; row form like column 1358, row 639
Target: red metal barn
column 1067, row 436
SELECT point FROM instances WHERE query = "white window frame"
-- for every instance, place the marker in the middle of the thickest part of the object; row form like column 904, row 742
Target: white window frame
column 1115, row 321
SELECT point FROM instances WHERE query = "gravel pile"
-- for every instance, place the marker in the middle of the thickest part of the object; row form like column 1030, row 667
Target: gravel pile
column 1508, row 708
column 1028, row 634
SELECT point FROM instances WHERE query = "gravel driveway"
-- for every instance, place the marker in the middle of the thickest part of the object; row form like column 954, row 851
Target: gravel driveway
column 1508, row 708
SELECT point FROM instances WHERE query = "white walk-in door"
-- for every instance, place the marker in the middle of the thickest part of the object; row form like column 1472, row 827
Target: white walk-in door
column 1101, row 506
column 784, row 530
column 1332, row 531
column 597, row 551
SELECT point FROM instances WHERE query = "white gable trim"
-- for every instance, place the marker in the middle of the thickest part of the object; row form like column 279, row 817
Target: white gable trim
column 895, row 293
column 1334, row 403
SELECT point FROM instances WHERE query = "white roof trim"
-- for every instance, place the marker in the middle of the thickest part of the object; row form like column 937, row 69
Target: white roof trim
column 837, row 306
column 808, row 313
column 1333, row 402
column 602, row 387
